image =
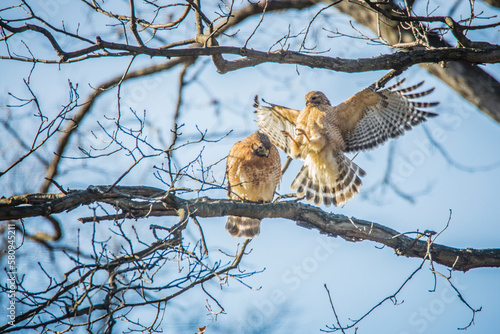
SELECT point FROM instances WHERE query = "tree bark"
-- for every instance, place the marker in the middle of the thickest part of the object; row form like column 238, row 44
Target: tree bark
column 140, row 202
column 494, row 3
column 470, row 81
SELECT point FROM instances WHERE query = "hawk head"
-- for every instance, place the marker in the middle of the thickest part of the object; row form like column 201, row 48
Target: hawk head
column 263, row 147
column 316, row 98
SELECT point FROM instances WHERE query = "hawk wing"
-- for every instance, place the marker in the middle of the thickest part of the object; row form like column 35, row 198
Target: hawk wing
column 236, row 154
column 274, row 120
column 372, row 116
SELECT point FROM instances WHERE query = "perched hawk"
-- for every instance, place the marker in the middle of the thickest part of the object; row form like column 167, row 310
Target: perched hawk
column 253, row 171
column 320, row 133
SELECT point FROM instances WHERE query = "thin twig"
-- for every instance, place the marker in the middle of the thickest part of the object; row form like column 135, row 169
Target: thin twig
column 333, row 308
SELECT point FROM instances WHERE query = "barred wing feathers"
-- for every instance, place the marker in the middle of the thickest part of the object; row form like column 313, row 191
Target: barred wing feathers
column 371, row 117
column 273, row 120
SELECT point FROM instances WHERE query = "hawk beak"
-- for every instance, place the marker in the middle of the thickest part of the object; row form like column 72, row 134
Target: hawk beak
column 267, row 153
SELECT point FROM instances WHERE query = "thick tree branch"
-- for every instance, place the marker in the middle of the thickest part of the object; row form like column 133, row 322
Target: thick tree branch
column 471, row 82
column 138, row 202
column 490, row 54
column 455, row 27
column 494, row 3
column 253, row 57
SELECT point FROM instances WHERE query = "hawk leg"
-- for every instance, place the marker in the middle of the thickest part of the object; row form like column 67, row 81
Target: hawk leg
column 287, row 134
column 301, row 132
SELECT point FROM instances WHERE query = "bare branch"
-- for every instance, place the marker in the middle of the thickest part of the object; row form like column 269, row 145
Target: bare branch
column 333, row 309
column 471, row 82
column 133, row 24
column 155, row 204
column 142, row 22
column 87, row 106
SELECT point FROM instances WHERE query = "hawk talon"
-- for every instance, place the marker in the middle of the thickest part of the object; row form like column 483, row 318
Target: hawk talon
column 301, row 132
column 287, row 134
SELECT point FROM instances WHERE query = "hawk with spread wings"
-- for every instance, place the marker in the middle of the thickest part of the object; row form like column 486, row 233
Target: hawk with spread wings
column 253, row 171
column 321, row 133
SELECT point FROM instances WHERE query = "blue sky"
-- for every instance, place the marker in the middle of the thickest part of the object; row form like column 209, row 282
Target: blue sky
column 297, row 261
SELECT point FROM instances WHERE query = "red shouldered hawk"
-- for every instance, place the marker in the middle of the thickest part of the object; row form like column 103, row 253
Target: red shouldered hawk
column 253, row 171
column 320, row 133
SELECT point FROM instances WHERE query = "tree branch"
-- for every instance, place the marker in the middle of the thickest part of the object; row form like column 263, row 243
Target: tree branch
column 155, row 203
column 490, row 54
column 494, row 3
column 471, row 82
column 52, row 169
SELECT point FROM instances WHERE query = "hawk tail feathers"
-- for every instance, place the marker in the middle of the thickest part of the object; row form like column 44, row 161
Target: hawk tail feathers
column 243, row 226
column 323, row 187
column 349, row 179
